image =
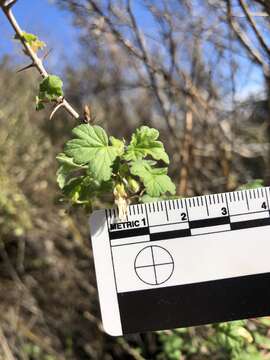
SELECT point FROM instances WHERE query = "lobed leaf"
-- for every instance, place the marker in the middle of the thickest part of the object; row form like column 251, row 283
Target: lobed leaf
column 67, row 165
column 91, row 147
column 155, row 180
column 143, row 143
column 83, row 189
column 63, row 159
column 118, row 144
column 50, row 89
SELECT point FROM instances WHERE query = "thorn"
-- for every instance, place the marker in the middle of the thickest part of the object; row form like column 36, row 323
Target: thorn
column 26, row 67
column 8, row 3
column 46, row 54
column 56, row 109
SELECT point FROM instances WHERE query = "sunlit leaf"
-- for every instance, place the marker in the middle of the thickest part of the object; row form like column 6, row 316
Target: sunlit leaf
column 155, row 180
column 144, row 143
column 91, row 146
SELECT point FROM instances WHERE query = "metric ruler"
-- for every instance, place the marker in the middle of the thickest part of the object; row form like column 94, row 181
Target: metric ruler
column 183, row 262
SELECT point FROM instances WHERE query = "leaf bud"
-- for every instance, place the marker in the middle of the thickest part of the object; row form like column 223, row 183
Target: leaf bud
column 133, row 184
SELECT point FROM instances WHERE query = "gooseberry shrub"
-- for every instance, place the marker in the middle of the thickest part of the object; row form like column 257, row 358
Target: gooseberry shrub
column 94, row 164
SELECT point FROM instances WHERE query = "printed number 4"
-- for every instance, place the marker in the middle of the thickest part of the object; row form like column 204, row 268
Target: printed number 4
column 264, row 206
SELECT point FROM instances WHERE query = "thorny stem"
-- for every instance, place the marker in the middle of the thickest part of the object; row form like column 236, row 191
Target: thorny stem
column 36, row 61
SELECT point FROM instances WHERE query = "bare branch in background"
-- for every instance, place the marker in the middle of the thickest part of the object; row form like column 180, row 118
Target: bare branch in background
column 5, row 347
column 151, row 71
column 254, row 26
column 242, row 36
column 36, row 61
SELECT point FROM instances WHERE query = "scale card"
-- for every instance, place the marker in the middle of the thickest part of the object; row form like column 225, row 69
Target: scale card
column 183, row 262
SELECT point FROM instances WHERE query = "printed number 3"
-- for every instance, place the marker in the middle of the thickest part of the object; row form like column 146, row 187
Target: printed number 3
column 224, row 211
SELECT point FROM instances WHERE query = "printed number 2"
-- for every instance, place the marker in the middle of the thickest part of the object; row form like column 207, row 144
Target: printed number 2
column 184, row 216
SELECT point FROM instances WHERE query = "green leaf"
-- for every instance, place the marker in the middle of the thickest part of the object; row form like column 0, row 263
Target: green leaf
column 67, row 165
column 72, row 188
column 52, row 84
column 50, row 89
column 29, row 37
column 61, row 176
column 63, row 159
column 155, row 180
column 147, row 198
column 83, row 189
column 92, row 147
column 143, row 143
column 252, row 184
column 32, row 40
column 118, row 144
column 39, row 104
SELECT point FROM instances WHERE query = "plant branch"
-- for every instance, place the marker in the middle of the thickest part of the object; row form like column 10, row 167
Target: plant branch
column 5, row 347
column 150, row 71
column 140, row 54
column 254, row 26
column 242, row 36
column 36, row 61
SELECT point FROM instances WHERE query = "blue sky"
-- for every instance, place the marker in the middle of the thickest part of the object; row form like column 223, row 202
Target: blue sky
column 55, row 27
column 52, row 25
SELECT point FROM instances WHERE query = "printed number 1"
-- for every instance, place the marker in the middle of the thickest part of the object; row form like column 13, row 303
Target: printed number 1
column 144, row 222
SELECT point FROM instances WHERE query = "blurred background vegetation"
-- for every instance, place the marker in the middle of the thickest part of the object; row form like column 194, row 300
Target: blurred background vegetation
column 199, row 71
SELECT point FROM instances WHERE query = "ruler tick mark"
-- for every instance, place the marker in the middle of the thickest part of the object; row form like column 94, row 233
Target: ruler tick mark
column 207, row 209
column 167, row 216
column 247, row 200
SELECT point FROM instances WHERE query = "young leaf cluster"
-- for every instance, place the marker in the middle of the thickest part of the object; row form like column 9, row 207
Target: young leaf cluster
column 50, row 90
column 32, row 40
column 94, row 164
column 51, row 87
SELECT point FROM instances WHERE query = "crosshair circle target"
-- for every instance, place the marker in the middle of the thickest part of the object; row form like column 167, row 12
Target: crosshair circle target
column 154, row 265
